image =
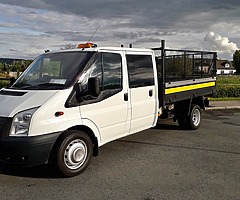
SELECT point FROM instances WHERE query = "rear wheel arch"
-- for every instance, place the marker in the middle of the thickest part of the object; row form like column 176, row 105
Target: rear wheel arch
column 188, row 112
column 193, row 120
column 199, row 101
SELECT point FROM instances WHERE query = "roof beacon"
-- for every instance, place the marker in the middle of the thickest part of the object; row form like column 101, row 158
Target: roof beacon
column 87, row 45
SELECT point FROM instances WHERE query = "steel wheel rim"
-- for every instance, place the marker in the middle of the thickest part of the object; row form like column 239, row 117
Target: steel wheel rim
column 75, row 154
column 196, row 117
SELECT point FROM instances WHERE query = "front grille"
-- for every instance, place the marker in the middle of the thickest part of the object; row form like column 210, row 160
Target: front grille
column 2, row 121
column 5, row 125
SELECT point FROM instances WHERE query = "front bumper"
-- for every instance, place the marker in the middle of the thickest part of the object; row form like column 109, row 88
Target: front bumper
column 27, row 151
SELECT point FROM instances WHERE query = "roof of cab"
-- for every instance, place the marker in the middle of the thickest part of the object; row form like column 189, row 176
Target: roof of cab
column 105, row 49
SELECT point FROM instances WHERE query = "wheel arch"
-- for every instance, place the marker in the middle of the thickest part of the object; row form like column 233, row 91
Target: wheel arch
column 91, row 134
column 82, row 128
column 199, row 101
column 183, row 108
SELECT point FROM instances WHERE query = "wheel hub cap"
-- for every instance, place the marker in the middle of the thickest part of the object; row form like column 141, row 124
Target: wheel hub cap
column 75, row 154
column 196, row 117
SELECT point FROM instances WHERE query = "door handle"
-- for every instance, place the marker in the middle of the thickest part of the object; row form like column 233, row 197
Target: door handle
column 125, row 96
column 150, row 93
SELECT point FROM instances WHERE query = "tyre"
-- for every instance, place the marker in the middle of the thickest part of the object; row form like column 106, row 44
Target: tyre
column 192, row 121
column 183, row 123
column 194, row 117
column 73, row 153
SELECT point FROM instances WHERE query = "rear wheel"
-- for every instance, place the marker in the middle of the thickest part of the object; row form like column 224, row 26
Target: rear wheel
column 183, row 122
column 192, row 121
column 195, row 117
column 73, row 153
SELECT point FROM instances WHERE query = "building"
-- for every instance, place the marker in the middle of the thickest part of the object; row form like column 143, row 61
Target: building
column 225, row 67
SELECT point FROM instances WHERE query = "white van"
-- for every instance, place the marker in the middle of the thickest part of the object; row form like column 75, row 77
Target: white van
column 68, row 103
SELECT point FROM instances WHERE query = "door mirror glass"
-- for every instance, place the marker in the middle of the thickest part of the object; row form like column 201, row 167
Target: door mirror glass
column 94, row 86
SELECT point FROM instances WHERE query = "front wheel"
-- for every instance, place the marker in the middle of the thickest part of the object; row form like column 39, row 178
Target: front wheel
column 73, row 153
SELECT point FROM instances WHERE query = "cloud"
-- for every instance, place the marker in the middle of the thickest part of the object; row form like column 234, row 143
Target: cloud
column 46, row 24
column 139, row 13
column 220, row 44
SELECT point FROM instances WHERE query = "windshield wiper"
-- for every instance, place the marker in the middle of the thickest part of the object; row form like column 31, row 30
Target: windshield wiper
column 48, row 85
column 21, row 85
column 43, row 86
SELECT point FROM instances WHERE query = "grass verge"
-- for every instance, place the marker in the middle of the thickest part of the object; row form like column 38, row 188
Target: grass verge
column 224, row 99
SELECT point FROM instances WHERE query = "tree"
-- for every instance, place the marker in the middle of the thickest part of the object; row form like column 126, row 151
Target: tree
column 69, row 46
column 236, row 61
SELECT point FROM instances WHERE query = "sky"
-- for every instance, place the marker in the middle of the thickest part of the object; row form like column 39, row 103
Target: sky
column 28, row 27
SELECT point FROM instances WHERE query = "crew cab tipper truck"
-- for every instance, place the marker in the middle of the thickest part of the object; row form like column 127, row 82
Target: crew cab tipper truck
column 68, row 103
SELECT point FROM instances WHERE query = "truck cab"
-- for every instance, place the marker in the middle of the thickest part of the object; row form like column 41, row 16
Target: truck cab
column 67, row 104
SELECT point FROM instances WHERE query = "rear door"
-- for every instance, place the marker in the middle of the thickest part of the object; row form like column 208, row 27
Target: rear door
column 142, row 90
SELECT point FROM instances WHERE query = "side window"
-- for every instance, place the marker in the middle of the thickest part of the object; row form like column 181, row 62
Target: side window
column 112, row 71
column 94, row 71
column 108, row 68
column 140, row 70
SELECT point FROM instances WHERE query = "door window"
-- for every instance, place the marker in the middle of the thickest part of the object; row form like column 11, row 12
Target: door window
column 112, row 71
column 107, row 67
column 140, row 70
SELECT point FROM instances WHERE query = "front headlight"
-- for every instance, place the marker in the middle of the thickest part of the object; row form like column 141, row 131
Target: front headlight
column 21, row 123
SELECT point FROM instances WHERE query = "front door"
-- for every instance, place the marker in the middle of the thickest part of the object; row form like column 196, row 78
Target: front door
column 109, row 110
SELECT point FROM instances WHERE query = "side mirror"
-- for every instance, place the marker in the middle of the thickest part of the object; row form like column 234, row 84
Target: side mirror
column 94, row 86
column 92, row 91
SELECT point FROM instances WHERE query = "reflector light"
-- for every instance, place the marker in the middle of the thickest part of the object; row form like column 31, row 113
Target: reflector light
column 59, row 113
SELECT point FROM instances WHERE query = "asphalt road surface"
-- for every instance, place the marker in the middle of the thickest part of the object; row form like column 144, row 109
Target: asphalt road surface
column 160, row 163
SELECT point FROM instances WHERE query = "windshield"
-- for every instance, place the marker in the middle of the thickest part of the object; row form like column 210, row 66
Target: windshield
column 53, row 71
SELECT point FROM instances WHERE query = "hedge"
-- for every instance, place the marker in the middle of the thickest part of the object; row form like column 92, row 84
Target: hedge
column 3, row 83
column 224, row 91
